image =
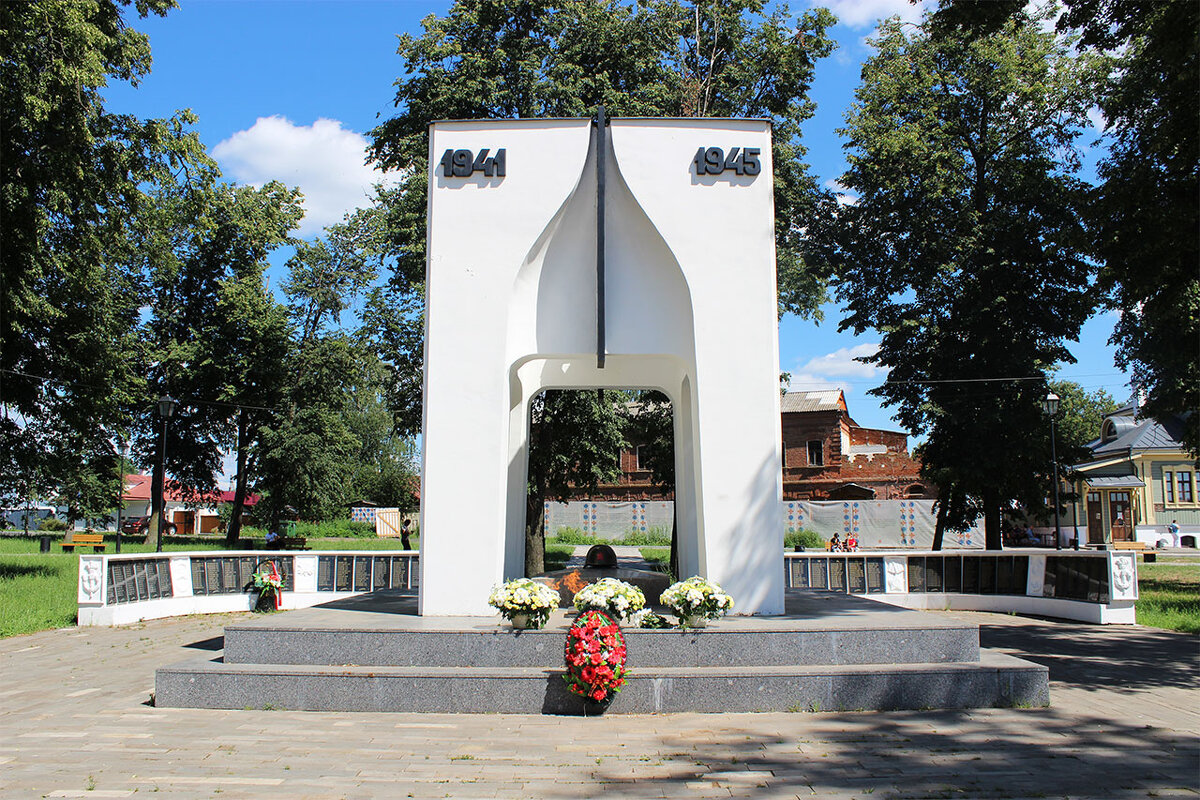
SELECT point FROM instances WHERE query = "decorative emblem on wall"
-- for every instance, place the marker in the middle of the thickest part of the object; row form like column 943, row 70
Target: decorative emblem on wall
column 90, row 580
column 897, row 575
column 1124, row 581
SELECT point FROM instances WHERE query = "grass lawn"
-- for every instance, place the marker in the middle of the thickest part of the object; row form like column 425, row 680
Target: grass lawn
column 557, row 555
column 37, row 591
column 1169, row 596
column 659, row 558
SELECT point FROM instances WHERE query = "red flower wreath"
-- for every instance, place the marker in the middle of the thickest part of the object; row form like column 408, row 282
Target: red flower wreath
column 595, row 656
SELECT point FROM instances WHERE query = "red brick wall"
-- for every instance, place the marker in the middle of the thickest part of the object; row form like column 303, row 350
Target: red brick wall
column 890, row 474
column 894, row 441
column 800, row 428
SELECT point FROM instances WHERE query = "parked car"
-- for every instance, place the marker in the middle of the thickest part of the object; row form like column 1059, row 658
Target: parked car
column 136, row 526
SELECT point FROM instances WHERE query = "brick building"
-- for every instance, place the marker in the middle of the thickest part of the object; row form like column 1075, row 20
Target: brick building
column 826, row 456
column 829, row 456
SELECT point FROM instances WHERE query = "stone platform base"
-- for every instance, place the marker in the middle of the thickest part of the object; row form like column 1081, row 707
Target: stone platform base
column 828, row 652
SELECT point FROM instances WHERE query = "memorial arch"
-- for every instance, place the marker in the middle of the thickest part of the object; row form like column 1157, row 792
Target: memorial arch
column 571, row 254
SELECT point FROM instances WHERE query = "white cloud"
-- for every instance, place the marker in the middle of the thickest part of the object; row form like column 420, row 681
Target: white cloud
column 841, row 364
column 1096, row 117
column 845, row 197
column 866, row 13
column 807, row 382
column 324, row 159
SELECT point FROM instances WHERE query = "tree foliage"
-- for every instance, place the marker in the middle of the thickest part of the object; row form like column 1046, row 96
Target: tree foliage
column 214, row 338
column 575, row 441
column 966, row 249
column 333, row 439
column 1080, row 413
column 73, row 180
column 1148, row 204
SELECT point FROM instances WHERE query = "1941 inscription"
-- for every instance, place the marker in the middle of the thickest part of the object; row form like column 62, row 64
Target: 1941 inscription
column 464, row 163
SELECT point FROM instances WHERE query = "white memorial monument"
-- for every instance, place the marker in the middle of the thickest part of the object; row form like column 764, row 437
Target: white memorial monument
column 594, row 253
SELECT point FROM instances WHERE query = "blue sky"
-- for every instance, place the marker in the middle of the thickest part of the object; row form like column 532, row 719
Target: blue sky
column 287, row 89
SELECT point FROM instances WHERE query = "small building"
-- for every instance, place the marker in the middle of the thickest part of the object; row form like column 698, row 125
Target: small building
column 188, row 516
column 1138, row 480
column 829, row 456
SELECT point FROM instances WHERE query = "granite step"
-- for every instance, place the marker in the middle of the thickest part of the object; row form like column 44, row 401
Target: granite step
column 726, row 643
column 993, row 680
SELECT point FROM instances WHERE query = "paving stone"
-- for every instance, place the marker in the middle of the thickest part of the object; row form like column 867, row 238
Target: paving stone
column 1099, row 739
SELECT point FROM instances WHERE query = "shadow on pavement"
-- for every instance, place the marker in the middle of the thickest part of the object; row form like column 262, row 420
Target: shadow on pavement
column 1101, row 657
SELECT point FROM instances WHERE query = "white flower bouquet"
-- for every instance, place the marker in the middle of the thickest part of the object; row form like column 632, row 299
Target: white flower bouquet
column 696, row 598
column 526, row 598
column 618, row 598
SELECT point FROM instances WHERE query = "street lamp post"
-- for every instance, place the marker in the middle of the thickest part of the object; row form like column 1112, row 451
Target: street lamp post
column 1050, row 408
column 166, row 410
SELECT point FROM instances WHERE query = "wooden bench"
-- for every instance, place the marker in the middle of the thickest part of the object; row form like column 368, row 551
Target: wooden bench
column 1148, row 555
column 289, row 543
column 92, row 540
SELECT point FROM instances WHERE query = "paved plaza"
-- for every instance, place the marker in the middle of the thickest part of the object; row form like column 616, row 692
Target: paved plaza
column 77, row 722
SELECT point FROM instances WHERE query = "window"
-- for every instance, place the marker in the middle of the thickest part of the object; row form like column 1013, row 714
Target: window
column 1184, row 480
column 641, row 459
column 816, row 453
column 1169, row 486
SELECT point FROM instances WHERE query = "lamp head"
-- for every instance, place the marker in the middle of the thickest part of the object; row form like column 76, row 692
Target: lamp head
column 167, row 406
column 1050, row 404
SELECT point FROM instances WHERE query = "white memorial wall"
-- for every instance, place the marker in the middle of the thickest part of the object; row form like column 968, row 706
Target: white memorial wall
column 635, row 253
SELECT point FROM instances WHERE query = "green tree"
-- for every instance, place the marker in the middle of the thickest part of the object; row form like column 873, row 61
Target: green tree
column 648, row 420
column 384, row 469
column 1079, row 416
column 73, row 178
column 246, row 345
column 327, row 274
column 1148, row 208
column 308, row 451
column 1149, row 203
column 575, row 441
column 214, row 339
column 966, row 249
column 649, row 424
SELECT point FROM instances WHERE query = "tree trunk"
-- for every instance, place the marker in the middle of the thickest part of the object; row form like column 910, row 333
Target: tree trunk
column 939, row 528
column 535, row 536
column 674, row 548
column 234, row 532
column 156, row 492
column 991, row 520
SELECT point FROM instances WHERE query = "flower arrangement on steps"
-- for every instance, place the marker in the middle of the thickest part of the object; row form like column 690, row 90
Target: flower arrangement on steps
column 595, row 656
column 269, row 584
column 616, row 598
column 524, row 602
column 696, row 601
